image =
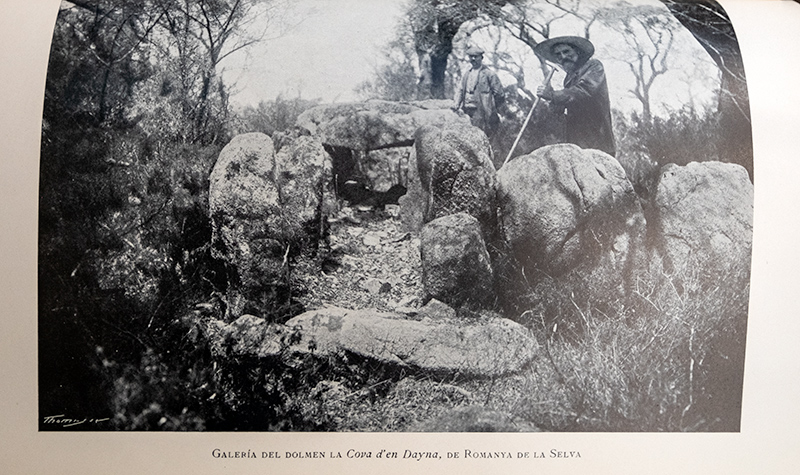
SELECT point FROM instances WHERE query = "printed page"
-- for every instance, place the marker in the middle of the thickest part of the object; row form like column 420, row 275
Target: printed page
column 268, row 237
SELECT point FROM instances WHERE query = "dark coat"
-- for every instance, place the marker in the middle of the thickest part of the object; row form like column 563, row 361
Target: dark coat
column 489, row 91
column 585, row 99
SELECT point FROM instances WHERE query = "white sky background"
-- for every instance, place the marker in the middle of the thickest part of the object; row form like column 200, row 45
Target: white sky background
column 333, row 49
column 339, row 42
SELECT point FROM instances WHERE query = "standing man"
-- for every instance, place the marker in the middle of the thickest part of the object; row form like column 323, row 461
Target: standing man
column 585, row 94
column 480, row 94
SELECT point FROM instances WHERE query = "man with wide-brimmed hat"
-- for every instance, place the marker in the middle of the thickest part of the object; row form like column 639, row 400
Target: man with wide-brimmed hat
column 585, row 94
column 480, row 94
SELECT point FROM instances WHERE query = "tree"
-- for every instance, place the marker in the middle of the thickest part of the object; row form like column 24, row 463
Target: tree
column 274, row 116
column 123, row 224
column 531, row 23
column 707, row 21
column 203, row 33
column 650, row 34
column 98, row 55
column 395, row 80
column 434, row 24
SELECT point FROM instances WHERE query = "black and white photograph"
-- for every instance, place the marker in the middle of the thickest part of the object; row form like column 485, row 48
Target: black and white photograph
column 411, row 216
column 399, row 236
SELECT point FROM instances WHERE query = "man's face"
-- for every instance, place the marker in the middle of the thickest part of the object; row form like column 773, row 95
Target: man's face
column 475, row 60
column 566, row 56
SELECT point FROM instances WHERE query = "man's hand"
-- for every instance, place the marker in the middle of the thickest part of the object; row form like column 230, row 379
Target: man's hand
column 545, row 92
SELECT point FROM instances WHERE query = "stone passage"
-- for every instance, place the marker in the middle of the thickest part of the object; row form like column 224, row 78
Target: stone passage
column 263, row 207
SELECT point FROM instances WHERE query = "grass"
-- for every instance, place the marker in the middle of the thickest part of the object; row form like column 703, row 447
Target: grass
column 672, row 361
column 670, row 357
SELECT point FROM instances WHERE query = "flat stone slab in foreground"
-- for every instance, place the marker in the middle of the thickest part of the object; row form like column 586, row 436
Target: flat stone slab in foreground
column 481, row 347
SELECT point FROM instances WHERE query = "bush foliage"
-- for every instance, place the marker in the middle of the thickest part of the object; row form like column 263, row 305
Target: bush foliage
column 643, row 147
column 672, row 361
column 133, row 122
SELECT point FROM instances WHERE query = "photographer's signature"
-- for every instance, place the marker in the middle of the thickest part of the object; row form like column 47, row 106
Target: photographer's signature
column 63, row 421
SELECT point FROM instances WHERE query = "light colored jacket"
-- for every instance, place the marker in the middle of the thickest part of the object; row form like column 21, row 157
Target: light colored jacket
column 489, row 94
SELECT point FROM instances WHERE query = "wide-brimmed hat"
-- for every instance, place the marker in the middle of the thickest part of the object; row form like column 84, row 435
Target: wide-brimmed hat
column 584, row 47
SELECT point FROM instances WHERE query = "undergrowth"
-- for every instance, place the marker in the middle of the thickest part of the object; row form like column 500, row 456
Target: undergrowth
column 672, row 361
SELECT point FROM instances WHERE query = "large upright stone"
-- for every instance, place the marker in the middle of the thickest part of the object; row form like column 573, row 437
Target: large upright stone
column 456, row 268
column 456, row 173
column 260, row 207
column 704, row 216
column 569, row 211
column 415, row 202
column 305, row 181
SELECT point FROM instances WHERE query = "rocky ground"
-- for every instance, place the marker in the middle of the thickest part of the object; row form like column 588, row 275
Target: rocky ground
column 372, row 263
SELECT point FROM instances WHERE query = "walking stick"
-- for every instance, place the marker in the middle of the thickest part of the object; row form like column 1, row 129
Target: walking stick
column 528, row 118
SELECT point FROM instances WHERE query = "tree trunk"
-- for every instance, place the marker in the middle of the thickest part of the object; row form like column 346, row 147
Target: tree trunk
column 647, row 116
column 434, row 29
column 710, row 25
column 438, row 73
column 433, row 50
column 424, row 84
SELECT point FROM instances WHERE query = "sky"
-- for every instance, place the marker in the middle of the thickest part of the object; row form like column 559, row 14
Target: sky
column 338, row 43
column 334, row 48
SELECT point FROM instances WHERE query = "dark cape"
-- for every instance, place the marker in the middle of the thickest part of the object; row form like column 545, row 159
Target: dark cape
column 588, row 109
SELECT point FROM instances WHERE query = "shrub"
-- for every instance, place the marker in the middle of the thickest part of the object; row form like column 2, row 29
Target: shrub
column 124, row 234
column 673, row 361
column 643, row 147
column 272, row 116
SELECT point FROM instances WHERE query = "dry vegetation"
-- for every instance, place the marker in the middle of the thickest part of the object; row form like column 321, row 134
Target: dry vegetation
column 671, row 361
